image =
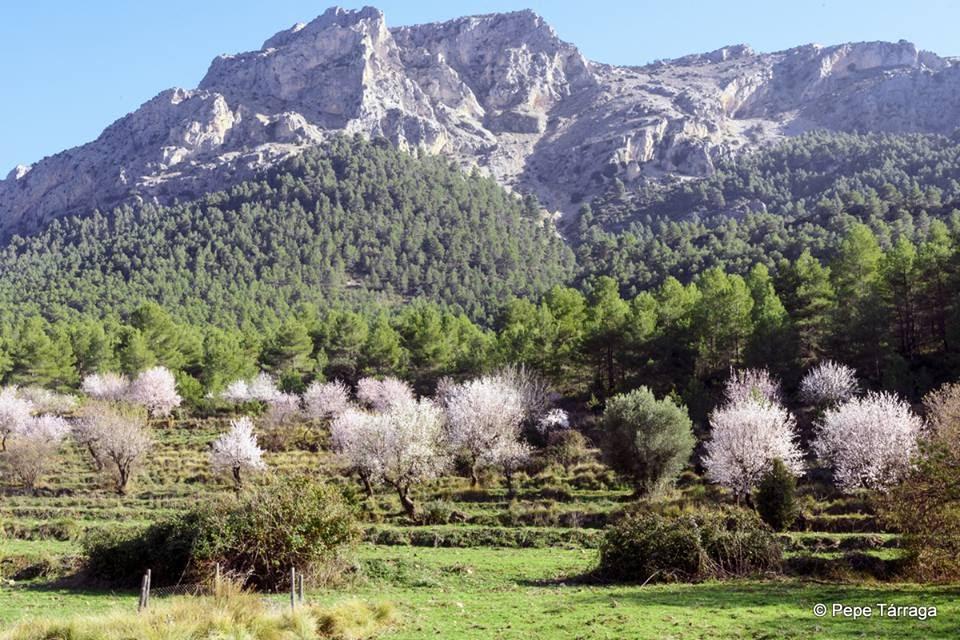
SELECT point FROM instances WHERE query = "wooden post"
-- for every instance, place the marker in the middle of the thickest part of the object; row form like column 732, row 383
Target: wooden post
column 293, row 588
column 143, row 593
column 216, row 581
column 300, row 585
column 146, row 602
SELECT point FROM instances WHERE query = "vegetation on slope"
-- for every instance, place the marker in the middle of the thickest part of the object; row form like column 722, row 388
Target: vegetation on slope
column 352, row 219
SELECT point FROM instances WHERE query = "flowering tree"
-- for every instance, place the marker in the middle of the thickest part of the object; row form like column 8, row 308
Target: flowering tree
column 747, row 437
column 117, row 436
column 46, row 401
column 261, row 388
column 484, row 417
column 326, row 400
column 237, row 392
column 553, row 420
column 236, row 451
column 105, row 386
column 533, row 389
column 401, row 447
column 752, row 384
column 156, row 390
column 513, row 456
column 868, row 441
column 354, row 436
column 33, row 444
column 942, row 408
column 384, row 395
column 829, row 383
column 14, row 412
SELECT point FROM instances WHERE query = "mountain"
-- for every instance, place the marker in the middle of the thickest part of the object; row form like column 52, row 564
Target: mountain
column 498, row 92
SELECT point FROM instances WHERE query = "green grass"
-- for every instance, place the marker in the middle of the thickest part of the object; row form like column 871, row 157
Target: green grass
column 533, row 593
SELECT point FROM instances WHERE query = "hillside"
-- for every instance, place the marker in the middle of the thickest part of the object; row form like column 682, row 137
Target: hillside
column 346, row 221
column 499, row 92
column 770, row 205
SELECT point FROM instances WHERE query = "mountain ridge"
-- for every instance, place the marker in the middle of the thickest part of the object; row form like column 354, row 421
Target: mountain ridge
column 498, row 92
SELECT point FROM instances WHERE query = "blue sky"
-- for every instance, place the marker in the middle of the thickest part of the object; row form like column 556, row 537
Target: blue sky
column 70, row 68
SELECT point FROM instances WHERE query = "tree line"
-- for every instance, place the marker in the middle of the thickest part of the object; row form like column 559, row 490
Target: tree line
column 889, row 313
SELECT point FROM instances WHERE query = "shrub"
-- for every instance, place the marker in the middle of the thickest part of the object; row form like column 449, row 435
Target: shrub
column 647, row 546
column 285, row 523
column 646, row 439
column 567, row 448
column 776, row 497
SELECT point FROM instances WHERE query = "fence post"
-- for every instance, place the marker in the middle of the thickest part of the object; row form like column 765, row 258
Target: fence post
column 146, row 602
column 216, row 581
column 143, row 593
column 293, row 588
column 300, row 585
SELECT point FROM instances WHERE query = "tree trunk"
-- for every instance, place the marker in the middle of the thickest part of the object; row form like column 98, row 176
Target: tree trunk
column 367, row 487
column 123, row 474
column 511, row 491
column 408, row 505
column 237, row 481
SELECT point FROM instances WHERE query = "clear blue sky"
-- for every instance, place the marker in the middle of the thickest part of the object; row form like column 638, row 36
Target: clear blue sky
column 70, row 68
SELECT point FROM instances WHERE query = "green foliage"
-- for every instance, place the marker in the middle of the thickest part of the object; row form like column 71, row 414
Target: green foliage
column 289, row 522
column 647, row 546
column 647, row 440
column 352, row 220
column 776, row 497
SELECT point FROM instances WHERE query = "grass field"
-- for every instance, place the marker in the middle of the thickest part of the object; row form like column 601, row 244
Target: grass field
column 535, row 593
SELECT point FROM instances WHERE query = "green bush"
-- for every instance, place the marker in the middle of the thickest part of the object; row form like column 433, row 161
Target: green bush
column 647, row 440
column 647, row 546
column 567, row 448
column 776, row 497
column 257, row 538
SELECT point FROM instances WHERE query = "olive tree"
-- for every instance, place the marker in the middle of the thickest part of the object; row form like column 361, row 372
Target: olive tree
column 647, row 440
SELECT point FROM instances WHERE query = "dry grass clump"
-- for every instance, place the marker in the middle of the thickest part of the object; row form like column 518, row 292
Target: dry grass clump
column 230, row 614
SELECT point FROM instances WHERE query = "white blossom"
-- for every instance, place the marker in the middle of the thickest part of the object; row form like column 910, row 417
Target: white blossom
column 326, row 400
column 868, row 441
column 752, row 384
column 829, row 383
column 105, row 386
column 401, row 447
column 384, row 395
column 14, row 412
column 533, row 389
column 237, row 391
column 746, row 437
column 236, row 451
column 263, row 388
column 33, row 444
column 282, row 409
column 156, row 390
column 116, row 436
column 553, row 420
column 46, row 401
column 484, row 418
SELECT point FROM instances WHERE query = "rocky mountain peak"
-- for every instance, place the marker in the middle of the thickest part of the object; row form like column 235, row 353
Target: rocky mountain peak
column 499, row 92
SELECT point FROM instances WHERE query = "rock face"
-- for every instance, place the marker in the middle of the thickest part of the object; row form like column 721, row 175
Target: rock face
column 498, row 92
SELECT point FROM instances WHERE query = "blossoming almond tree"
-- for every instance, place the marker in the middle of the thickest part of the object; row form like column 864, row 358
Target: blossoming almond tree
column 326, row 400
column 828, row 383
column 752, row 384
column 236, row 451
column 384, row 395
column 401, row 447
column 118, row 436
column 484, row 418
column 14, row 412
column 105, row 386
column 156, row 390
column 746, row 438
column 34, row 443
column 868, row 441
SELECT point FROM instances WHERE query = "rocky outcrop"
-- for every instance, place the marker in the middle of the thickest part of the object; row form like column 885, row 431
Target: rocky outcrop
column 499, row 92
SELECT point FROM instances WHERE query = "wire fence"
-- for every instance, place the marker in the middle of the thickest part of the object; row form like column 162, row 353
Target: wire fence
column 147, row 592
